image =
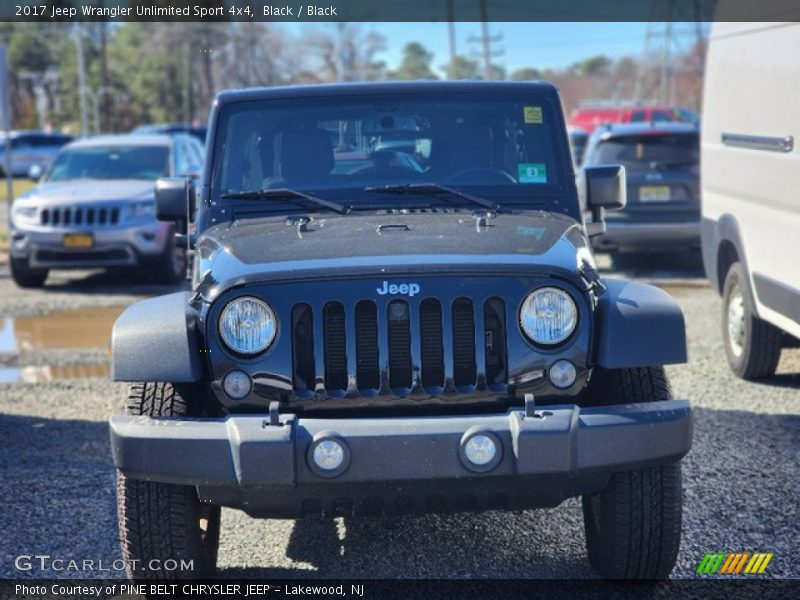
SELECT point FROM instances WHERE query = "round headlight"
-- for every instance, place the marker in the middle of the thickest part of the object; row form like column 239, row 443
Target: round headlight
column 247, row 325
column 548, row 316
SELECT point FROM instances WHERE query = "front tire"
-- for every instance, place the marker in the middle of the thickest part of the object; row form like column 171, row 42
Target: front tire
column 633, row 525
column 160, row 522
column 752, row 346
column 24, row 276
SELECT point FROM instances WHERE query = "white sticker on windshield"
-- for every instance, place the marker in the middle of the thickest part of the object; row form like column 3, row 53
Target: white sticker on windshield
column 532, row 173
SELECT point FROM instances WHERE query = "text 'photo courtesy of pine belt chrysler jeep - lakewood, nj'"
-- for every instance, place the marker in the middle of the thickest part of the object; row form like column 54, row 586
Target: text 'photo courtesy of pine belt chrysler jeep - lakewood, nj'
column 395, row 308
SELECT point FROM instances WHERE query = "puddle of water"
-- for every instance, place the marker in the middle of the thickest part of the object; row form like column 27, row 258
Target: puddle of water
column 47, row 374
column 77, row 329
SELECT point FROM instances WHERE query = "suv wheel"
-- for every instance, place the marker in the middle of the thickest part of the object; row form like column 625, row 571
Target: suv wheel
column 24, row 276
column 633, row 525
column 160, row 522
column 752, row 346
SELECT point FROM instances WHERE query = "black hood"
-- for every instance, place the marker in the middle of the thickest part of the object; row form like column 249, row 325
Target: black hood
column 274, row 239
column 385, row 243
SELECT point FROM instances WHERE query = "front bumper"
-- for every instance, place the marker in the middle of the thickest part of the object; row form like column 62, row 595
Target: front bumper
column 114, row 246
column 401, row 464
column 631, row 236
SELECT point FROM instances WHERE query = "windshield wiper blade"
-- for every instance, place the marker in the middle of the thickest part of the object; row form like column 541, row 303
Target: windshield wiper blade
column 432, row 189
column 289, row 193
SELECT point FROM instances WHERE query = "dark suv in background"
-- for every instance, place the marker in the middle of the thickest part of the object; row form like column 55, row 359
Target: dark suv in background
column 662, row 165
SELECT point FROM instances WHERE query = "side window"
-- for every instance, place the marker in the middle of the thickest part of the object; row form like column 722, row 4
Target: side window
column 660, row 116
column 182, row 159
column 198, row 157
column 23, row 142
column 637, row 116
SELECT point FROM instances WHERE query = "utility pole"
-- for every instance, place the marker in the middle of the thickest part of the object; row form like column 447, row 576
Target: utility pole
column 81, row 79
column 486, row 40
column 668, row 32
column 5, row 109
column 451, row 34
column 666, row 68
column 104, row 81
column 187, row 84
column 341, row 61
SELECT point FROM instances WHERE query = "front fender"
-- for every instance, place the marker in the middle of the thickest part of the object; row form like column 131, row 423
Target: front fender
column 638, row 325
column 156, row 340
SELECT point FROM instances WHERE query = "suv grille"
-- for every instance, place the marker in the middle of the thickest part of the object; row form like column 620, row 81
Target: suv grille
column 399, row 347
column 66, row 216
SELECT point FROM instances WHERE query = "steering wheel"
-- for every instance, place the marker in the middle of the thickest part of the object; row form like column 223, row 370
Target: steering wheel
column 481, row 174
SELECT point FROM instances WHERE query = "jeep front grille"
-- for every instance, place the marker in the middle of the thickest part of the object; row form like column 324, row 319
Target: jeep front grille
column 69, row 216
column 398, row 347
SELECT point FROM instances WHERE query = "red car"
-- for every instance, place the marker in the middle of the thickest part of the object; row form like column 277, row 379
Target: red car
column 590, row 117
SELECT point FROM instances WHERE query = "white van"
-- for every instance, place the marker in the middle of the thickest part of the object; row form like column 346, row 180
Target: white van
column 751, row 189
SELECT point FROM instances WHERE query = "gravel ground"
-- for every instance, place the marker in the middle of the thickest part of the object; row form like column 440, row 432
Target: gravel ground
column 742, row 487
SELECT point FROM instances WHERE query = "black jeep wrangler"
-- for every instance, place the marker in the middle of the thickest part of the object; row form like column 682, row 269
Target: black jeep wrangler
column 395, row 308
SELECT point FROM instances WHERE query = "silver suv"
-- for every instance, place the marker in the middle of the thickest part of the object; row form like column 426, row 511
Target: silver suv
column 95, row 207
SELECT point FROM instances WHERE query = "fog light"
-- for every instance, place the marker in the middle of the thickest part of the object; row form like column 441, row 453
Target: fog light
column 480, row 450
column 328, row 456
column 563, row 374
column 237, row 384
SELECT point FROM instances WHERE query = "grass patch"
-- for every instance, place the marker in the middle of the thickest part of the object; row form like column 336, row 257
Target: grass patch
column 20, row 186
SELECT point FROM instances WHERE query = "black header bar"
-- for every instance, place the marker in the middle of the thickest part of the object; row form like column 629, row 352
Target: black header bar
column 399, row 10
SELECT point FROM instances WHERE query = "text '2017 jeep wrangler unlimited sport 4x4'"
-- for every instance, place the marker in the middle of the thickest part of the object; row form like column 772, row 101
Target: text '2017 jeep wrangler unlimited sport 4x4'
column 395, row 308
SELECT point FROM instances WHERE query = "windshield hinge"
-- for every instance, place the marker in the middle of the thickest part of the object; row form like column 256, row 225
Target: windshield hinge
column 592, row 278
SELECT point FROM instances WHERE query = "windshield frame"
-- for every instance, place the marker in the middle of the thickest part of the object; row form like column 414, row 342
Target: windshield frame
column 558, row 197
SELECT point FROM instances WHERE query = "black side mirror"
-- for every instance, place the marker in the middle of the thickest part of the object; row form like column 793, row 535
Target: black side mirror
column 604, row 189
column 175, row 199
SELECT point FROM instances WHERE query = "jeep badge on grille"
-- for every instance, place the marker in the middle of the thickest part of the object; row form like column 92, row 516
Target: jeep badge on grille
column 406, row 289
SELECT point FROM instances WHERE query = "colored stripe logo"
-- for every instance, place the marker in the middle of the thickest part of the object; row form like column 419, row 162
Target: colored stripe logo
column 734, row 563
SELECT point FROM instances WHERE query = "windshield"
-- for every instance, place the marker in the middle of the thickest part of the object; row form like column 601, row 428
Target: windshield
column 111, row 162
column 644, row 153
column 490, row 145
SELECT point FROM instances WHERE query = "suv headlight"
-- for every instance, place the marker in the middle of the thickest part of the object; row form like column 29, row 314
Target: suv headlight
column 548, row 316
column 27, row 212
column 137, row 210
column 247, row 325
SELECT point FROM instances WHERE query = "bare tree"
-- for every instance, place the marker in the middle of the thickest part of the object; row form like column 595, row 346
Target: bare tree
column 346, row 54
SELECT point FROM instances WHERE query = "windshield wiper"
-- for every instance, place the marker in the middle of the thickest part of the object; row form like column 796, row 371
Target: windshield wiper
column 432, row 189
column 289, row 193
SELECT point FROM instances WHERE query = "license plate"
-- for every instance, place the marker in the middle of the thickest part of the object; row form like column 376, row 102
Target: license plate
column 654, row 193
column 78, row 240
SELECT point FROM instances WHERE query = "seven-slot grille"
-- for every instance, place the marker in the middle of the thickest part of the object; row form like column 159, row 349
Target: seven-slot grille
column 399, row 347
column 65, row 216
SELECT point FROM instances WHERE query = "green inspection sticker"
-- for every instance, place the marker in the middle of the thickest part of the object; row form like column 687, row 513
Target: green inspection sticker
column 532, row 173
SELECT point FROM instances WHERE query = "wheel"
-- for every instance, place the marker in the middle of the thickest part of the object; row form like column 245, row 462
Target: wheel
column 161, row 522
column 752, row 346
column 169, row 267
column 633, row 525
column 24, row 276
